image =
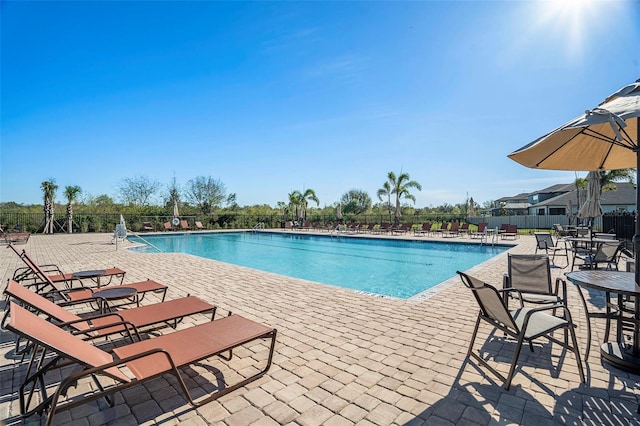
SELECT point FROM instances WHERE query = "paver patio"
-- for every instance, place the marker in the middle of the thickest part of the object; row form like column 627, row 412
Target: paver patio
column 342, row 358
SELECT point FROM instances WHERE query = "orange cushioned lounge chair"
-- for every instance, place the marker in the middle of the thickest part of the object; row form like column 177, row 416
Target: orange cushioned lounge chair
column 453, row 231
column 15, row 237
column 45, row 287
column 135, row 363
column 124, row 321
column 27, row 273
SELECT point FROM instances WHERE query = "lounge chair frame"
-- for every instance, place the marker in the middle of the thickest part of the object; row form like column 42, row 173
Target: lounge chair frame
column 481, row 232
column 149, row 355
column 129, row 321
column 516, row 324
column 69, row 296
column 32, row 271
column 424, row 230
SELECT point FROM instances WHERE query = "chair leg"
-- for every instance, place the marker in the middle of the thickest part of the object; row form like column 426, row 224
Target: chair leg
column 473, row 336
column 576, row 351
column 514, row 361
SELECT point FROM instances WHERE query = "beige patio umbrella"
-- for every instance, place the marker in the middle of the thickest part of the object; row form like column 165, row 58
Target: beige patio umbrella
column 604, row 138
column 176, row 213
column 472, row 207
column 570, row 211
column 592, row 208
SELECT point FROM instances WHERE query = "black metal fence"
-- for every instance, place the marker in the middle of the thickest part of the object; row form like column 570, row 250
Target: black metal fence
column 623, row 225
column 105, row 222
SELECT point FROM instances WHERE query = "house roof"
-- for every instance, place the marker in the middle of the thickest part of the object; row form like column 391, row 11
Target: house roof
column 559, row 200
column 521, row 196
column 625, row 194
column 559, row 187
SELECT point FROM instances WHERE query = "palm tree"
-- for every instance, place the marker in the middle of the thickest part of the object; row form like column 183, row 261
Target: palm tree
column 71, row 193
column 385, row 191
column 49, row 189
column 298, row 201
column 294, row 202
column 607, row 178
column 308, row 195
column 581, row 187
column 400, row 187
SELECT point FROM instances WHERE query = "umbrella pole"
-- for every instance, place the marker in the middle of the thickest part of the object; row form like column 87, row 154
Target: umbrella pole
column 636, row 236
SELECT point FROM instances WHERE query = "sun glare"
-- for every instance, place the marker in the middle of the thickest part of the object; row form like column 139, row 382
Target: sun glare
column 569, row 22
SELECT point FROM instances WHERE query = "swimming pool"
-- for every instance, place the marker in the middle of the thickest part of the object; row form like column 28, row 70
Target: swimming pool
column 386, row 267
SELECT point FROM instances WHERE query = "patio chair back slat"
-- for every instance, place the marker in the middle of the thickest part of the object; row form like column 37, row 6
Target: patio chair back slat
column 491, row 304
column 530, row 273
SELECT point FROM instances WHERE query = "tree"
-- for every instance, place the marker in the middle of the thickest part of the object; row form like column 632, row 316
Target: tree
column 232, row 202
column 49, row 189
column 173, row 195
column 607, row 178
column 71, row 193
column 581, row 187
column 400, row 186
column 383, row 192
column 103, row 202
column 308, row 195
column 138, row 190
column 206, row 193
column 298, row 202
column 355, row 201
column 295, row 201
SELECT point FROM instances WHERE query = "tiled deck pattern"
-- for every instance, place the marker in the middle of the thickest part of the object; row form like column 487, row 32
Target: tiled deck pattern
column 342, row 358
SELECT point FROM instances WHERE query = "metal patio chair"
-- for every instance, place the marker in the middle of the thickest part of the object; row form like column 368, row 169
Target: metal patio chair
column 522, row 324
column 531, row 275
column 544, row 241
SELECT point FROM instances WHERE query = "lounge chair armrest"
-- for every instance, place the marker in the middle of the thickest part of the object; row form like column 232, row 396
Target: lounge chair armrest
column 51, row 268
column 127, row 327
column 22, row 273
column 118, row 318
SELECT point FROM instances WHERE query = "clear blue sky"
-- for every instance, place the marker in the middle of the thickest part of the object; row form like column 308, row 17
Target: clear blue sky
column 270, row 97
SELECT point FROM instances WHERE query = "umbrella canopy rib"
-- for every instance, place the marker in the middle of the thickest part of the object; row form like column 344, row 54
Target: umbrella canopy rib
column 603, row 138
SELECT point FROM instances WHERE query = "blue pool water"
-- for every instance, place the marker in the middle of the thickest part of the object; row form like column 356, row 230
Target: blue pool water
column 387, row 267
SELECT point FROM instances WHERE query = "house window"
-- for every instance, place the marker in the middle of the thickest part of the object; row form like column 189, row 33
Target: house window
column 540, row 212
column 557, row 211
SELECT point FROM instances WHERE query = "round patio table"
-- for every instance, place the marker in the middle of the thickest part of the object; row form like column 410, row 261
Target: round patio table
column 623, row 356
column 113, row 293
